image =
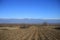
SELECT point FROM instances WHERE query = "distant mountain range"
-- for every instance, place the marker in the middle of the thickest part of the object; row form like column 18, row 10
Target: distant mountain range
column 29, row 21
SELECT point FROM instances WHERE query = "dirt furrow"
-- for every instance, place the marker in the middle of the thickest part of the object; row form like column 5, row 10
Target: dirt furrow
column 43, row 36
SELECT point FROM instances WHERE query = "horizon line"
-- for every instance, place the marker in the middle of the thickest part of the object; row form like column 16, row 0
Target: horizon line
column 29, row 18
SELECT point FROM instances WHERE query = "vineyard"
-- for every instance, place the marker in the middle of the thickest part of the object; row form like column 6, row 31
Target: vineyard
column 31, row 33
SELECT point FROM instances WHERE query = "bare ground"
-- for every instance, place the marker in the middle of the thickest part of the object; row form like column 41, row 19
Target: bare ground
column 32, row 33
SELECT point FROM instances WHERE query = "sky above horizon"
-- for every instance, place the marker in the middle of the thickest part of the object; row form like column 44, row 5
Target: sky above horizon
column 29, row 9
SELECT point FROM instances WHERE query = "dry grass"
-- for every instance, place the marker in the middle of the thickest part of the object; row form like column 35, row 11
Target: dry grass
column 31, row 33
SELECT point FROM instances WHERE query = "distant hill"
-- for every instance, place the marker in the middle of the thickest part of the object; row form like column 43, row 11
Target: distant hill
column 29, row 21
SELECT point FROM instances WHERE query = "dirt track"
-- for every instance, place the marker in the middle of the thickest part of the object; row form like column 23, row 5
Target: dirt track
column 33, row 33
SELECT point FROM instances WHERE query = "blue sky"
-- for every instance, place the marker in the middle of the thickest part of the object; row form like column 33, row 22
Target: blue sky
column 29, row 9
